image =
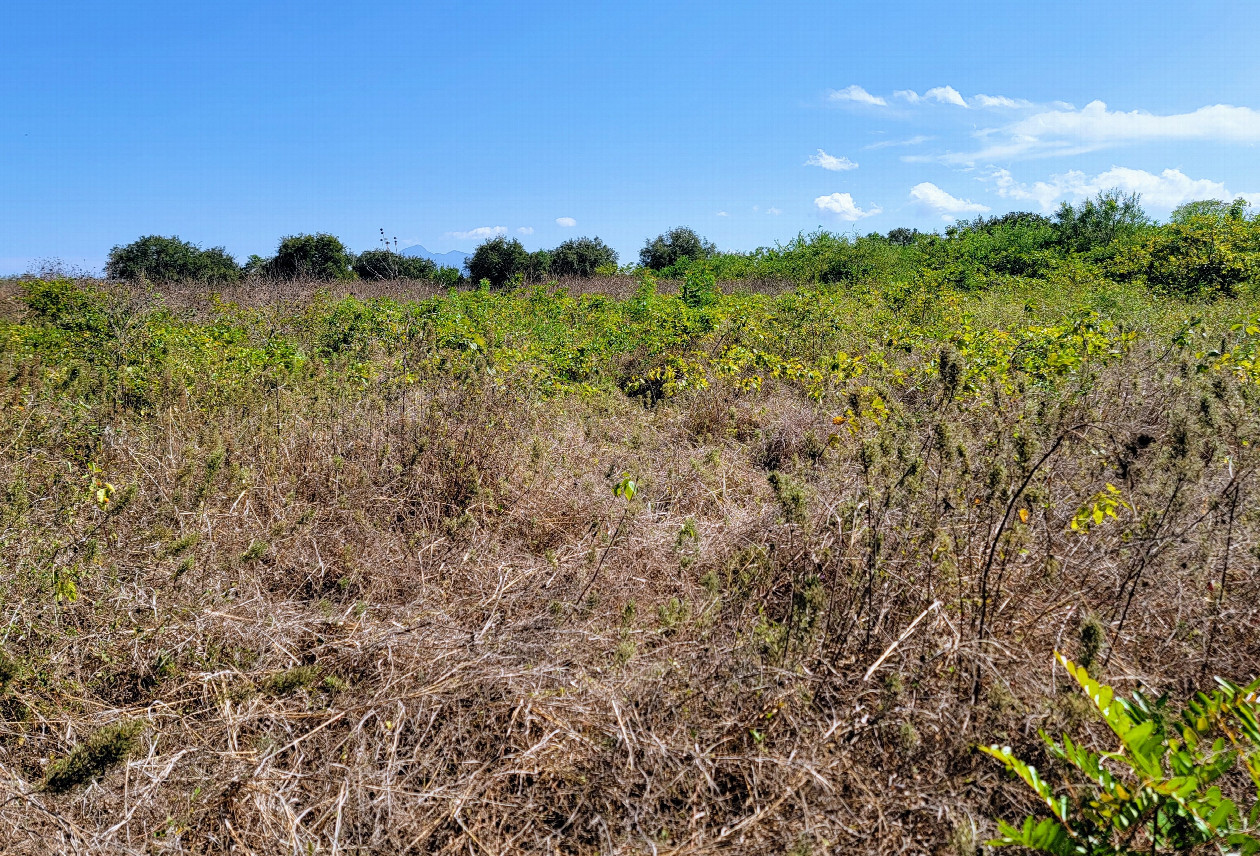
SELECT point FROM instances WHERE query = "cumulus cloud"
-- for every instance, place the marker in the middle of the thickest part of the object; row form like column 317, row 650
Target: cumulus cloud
column 722, row 214
column 526, row 230
column 1165, row 190
column 945, row 95
column 857, row 94
column 566, row 222
column 841, row 205
column 830, row 162
column 908, row 95
column 931, row 197
column 478, row 234
column 774, row 211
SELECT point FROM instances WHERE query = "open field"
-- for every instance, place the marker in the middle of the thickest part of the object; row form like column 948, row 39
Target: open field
column 602, row 569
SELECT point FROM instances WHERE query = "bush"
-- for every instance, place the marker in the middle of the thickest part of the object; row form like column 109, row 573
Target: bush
column 498, row 260
column 538, row 266
column 674, row 246
column 1200, row 255
column 160, row 259
column 447, row 276
column 387, row 264
column 582, row 257
column 320, row 256
column 1157, row 792
column 1097, row 223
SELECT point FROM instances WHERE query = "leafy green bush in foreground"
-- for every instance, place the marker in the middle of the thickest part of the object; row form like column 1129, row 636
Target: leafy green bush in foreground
column 1160, row 790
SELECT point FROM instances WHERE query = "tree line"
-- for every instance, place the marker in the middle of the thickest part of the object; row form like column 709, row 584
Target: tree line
column 1206, row 248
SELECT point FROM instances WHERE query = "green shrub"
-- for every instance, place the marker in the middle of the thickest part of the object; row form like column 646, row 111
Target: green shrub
column 160, row 259
column 1095, row 224
column 537, row 266
column 1157, row 792
column 387, row 264
column 581, row 257
column 94, row 757
column 321, row 257
column 1198, row 256
column 669, row 248
column 498, row 260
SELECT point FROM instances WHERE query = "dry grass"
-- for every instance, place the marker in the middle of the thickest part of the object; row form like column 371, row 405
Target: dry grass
column 356, row 625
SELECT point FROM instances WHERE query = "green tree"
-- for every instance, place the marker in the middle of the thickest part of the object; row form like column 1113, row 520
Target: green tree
column 498, row 259
column 387, row 264
column 1215, row 209
column 1200, row 255
column 1095, row 224
column 580, row 257
column 160, row 259
column 319, row 256
column 667, row 249
column 538, row 266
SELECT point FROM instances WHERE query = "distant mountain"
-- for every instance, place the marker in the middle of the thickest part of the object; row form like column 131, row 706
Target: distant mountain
column 453, row 259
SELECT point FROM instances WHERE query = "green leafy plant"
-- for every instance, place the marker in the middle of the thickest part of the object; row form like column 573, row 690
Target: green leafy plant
column 1159, row 791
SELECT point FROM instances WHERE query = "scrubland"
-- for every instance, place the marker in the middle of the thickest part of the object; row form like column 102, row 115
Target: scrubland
column 608, row 567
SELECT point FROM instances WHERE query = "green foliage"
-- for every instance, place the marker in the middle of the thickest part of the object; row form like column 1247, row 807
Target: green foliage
column 581, row 257
column 1215, row 209
column 1198, row 255
column 320, row 257
column 387, row 264
column 1159, row 791
column 538, row 266
column 498, row 260
column 160, row 259
column 93, row 757
column 671, row 247
column 699, row 289
column 1095, row 224
column 292, row 680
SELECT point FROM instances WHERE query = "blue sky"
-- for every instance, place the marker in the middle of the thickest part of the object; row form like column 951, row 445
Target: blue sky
column 235, row 123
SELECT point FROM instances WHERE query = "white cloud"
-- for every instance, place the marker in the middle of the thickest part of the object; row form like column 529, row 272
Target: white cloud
column 722, row 214
column 830, row 162
column 913, row 141
column 843, row 206
column 908, row 95
column 1166, row 190
column 1065, row 130
column 945, row 95
column 999, row 101
column 478, row 234
column 526, row 230
column 566, row 221
column 858, row 94
column 930, row 196
column 1095, row 124
column 774, row 211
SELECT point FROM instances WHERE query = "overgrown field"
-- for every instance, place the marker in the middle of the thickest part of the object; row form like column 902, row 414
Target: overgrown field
column 540, row 571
